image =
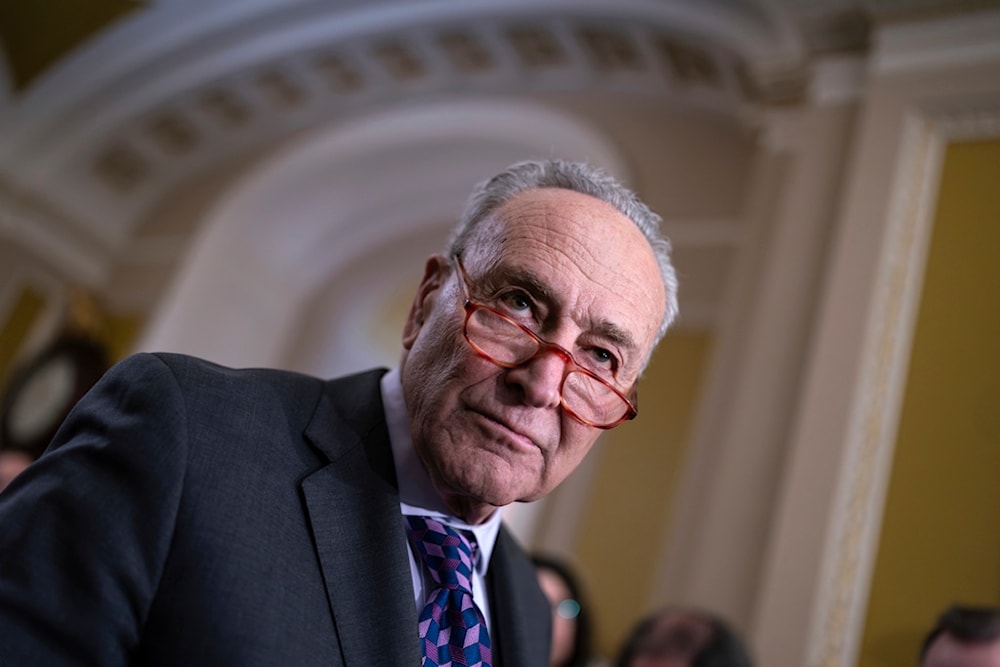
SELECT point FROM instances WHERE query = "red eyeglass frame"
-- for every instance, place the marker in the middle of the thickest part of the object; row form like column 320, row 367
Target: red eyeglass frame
column 571, row 365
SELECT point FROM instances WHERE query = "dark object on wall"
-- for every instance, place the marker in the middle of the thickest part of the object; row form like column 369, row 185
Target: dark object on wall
column 42, row 392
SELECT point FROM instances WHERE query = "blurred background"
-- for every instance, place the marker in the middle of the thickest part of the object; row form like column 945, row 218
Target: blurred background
column 258, row 182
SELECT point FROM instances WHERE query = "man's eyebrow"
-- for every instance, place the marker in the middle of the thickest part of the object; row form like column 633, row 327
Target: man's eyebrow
column 521, row 278
column 615, row 334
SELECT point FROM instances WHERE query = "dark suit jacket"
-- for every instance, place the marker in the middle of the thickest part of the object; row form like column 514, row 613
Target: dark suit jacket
column 189, row 514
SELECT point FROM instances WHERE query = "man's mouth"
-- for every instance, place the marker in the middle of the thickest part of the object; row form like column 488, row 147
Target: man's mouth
column 518, row 438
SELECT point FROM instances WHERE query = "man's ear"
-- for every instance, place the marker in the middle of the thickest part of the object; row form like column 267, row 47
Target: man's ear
column 436, row 272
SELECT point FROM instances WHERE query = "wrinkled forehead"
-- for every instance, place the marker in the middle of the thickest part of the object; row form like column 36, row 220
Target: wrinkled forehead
column 568, row 225
column 576, row 241
column 559, row 211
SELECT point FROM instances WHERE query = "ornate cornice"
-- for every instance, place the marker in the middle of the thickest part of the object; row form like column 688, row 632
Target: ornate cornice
column 541, row 55
column 888, row 11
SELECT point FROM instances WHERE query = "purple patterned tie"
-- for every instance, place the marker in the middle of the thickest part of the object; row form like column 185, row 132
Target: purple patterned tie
column 452, row 629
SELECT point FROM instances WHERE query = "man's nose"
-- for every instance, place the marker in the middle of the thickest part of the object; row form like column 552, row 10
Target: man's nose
column 540, row 378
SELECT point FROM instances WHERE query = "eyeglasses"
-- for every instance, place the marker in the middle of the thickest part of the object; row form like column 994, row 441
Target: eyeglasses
column 584, row 395
column 568, row 609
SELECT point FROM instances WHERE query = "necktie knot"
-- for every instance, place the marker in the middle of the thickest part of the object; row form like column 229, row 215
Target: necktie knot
column 451, row 628
column 447, row 553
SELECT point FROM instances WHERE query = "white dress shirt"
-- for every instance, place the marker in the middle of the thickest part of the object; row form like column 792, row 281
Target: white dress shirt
column 417, row 496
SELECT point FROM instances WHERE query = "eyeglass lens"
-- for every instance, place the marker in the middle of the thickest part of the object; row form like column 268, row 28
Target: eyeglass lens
column 507, row 344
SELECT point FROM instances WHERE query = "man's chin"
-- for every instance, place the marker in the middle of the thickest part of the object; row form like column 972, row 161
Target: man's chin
column 501, row 497
column 498, row 477
column 494, row 497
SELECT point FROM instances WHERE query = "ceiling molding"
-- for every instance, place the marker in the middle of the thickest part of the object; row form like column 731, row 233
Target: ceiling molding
column 955, row 40
column 131, row 145
column 58, row 242
column 899, row 11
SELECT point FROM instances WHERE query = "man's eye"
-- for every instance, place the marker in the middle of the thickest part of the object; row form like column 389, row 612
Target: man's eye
column 604, row 358
column 517, row 302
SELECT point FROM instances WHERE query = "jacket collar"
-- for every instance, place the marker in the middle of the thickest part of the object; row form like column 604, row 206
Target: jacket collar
column 353, row 508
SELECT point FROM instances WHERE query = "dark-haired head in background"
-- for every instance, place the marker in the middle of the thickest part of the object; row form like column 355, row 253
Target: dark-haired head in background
column 676, row 637
column 964, row 636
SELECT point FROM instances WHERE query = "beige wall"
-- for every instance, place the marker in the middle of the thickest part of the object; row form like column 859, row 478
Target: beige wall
column 628, row 513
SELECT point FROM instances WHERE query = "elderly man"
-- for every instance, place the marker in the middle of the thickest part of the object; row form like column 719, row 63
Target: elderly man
column 189, row 514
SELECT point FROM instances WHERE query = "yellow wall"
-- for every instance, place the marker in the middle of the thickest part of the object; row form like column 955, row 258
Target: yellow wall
column 941, row 535
column 14, row 327
column 118, row 331
column 35, row 35
column 123, row 331
column 634, row 490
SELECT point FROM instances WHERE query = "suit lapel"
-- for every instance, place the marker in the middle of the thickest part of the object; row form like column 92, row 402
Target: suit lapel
column 353, row 507
column 522, row 620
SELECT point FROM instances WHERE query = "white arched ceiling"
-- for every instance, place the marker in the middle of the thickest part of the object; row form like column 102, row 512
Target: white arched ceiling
column 107, row 158
column 376, row 195
column 155, row 100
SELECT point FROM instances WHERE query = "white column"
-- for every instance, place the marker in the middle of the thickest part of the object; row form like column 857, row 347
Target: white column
column 726, row 506
column 927, row 84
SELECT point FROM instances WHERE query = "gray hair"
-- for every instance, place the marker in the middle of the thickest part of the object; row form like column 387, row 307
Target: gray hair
column 494, row 192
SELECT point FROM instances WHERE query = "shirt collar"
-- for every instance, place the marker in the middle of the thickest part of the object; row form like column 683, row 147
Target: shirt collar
column 417, row 495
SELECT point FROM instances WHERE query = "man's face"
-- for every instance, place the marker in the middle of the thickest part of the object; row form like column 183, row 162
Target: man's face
column 947, row 651
column 575, row 271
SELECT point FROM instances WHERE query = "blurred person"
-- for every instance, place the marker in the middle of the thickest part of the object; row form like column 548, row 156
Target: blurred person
column 43, row 389
column 680, row 637
column 963, row 636
column 571, row 642
column 191, row 514
column 12, row 463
